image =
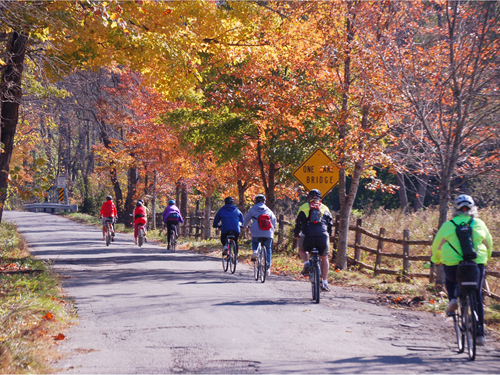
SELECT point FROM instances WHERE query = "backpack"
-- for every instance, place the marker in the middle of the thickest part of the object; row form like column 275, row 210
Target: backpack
column 174, row 216
column 315, row 212
column 464, row 234
column 264, row 221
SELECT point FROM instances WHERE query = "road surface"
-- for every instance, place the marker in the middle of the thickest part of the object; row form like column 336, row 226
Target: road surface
column 144, row 310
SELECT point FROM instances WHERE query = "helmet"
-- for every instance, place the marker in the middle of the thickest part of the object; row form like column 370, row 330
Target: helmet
column 171, row 202
column 314, row 194
column 229, row 200
column 138, row 204
column 260, row 198
column 140, row 201
column 463, row 201
column 109, row 198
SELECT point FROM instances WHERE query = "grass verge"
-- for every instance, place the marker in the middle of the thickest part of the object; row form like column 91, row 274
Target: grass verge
column 33, row 310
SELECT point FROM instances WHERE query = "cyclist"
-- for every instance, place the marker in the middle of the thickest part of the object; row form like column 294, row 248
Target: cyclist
column 172, row 217
column 263, row 225
column 108, row 215
column 140, row 217
column 315, row 221
column 230, row 219
column 442, row 253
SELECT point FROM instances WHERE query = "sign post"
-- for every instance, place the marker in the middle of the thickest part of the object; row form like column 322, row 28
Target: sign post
column 318, row 172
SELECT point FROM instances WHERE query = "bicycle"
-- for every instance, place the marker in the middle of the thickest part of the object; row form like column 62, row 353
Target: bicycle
column 229, row 259
column 172, row 244
column 140, row 235
column 465, row 318
column 260, row 264
column 315, row 274
column 109, row 231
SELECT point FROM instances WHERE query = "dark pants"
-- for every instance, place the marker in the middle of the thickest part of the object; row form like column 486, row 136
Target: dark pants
column 170, row 225
column 453, row 291
column 223, row 239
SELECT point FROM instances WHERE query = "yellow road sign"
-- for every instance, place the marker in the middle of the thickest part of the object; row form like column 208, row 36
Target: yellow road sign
column 318, row 172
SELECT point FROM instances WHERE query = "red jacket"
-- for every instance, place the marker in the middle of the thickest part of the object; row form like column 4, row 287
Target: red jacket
column 140, row 216
column 108, row 209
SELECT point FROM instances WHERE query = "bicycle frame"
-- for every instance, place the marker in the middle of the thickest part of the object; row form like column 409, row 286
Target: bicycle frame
column 315, row 274
column 260, row 264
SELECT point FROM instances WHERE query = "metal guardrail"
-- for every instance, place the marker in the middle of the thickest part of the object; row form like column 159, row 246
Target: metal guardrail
column 50, row 207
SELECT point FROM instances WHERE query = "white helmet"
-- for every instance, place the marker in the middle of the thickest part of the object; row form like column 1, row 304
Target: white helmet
column 463, row 201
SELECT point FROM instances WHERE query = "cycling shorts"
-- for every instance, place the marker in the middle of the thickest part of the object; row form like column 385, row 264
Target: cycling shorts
column 106, row 220
column 322, row 243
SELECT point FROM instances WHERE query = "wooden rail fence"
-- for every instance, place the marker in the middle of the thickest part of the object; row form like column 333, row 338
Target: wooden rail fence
column 194, row 226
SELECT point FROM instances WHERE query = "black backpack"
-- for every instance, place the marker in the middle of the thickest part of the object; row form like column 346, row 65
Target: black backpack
column 464, row 234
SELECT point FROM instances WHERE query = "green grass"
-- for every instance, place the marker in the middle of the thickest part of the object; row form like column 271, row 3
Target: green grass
column 32, row 308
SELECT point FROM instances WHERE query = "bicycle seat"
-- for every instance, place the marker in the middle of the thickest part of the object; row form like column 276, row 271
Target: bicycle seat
column 262, row 239
column 231, row 234
column 314, row 251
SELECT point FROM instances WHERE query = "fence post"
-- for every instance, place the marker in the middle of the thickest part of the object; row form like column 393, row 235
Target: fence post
column 406, row 252
column 281, row 229
column 190, row 227
column 357, row 240
column 380, row 249
column 335, row 239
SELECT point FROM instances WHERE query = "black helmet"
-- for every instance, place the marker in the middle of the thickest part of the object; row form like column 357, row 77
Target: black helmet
column 139, row 203
column 314, row 194
column 260, row 198
column 109, row 198
column 229, row 200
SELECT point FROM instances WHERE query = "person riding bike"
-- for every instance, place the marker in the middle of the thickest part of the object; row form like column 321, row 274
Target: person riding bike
column 262, row 226
column 172, row 217
column 230, row 219
column 140, row 217
column 108, row 215
column 315, row 221
column 446, row 250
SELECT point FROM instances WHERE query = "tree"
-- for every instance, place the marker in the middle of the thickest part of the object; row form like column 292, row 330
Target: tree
column 444, row 62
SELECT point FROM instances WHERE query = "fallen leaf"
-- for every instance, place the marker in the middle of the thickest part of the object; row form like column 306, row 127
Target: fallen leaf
column 168, row 11
column 59, row 337
column 48, row 316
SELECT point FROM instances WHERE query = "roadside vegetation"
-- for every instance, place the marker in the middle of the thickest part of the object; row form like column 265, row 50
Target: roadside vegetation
column 33, row 310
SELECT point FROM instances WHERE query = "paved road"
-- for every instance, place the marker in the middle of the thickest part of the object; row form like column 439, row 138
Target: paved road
column 143, row 310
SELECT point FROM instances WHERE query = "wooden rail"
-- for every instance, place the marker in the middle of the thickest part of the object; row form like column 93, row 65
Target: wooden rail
column 193, row 226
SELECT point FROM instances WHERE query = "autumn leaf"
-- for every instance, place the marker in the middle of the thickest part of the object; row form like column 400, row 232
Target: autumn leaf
column 168, row 11
column 59, row 337
column 48, row 316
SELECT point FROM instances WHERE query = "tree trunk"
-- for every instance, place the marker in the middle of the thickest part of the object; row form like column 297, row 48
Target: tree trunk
column 184, row 201
column 421, row 192
column 10, row 97
column 242, row 188
column 153, row 205
column 403, row 198
column 208, row 209
column 132, row 181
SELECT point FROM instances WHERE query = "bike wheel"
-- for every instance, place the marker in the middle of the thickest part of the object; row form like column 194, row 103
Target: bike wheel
column 459, row 331
column 140, row 238
column 108, row 236
column 470, row 319
column 315, row 282
column 256, row 266
column 174, row 242
column 263, row 264
column 232, row 256
column 225, row 261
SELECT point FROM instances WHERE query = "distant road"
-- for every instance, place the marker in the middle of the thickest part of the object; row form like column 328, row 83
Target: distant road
column 144, row 311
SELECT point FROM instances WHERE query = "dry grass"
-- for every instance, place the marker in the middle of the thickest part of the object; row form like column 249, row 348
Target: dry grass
column 33, row 312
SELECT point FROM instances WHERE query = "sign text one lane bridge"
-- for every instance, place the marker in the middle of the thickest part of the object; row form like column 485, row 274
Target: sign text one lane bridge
column 318, row 172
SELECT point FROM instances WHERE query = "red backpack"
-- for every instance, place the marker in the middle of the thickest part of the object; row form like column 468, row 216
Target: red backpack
column 264, row 222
